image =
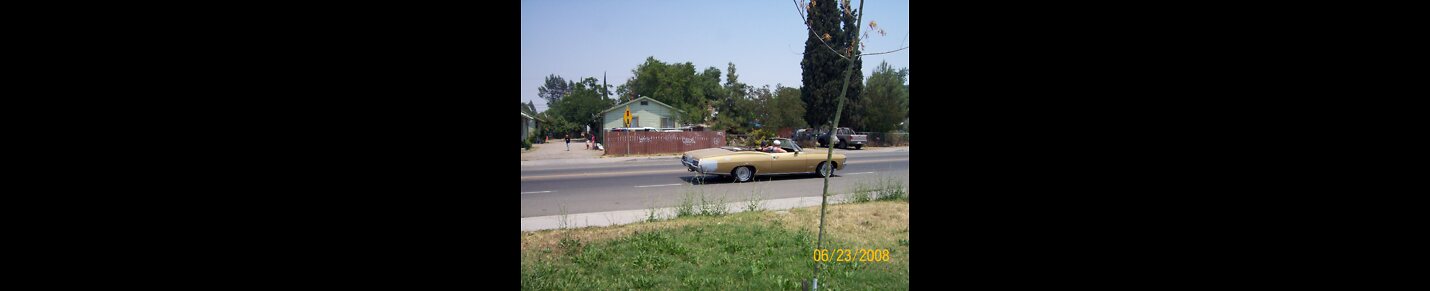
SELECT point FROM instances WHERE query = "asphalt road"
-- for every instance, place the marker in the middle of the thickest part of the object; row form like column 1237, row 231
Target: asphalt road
column 642, row 184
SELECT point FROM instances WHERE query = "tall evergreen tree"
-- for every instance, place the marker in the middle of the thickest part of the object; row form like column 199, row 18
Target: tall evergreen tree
column 823, row 70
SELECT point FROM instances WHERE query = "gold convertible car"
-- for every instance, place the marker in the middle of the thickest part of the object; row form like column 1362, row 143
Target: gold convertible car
column 744, row 163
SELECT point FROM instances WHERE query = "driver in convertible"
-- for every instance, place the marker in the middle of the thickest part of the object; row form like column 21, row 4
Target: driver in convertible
column 774, row 148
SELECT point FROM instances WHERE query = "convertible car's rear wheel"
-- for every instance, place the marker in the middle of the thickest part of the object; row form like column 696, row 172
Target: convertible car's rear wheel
column 825, row 170
column 743, row 174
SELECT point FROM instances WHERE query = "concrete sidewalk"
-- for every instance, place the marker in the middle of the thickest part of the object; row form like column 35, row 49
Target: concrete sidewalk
column 597, row 160
column 609, row 218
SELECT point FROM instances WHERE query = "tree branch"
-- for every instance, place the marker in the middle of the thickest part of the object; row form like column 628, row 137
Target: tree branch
column 800, row 10
column 880, row 53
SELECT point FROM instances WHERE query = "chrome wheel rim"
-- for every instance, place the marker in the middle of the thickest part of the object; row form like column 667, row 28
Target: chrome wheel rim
column 743, row 173
column 824, row 170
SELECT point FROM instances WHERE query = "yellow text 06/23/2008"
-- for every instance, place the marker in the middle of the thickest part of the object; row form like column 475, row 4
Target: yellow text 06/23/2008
column 851, row 255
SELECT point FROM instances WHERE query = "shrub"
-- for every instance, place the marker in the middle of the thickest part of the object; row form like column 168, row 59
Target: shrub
column 759, row 135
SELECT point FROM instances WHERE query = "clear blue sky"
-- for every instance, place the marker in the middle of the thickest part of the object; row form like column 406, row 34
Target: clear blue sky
column 578, row 39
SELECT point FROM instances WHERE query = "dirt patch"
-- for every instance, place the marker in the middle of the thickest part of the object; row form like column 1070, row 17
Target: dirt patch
column 865, row 224
column 557, row 150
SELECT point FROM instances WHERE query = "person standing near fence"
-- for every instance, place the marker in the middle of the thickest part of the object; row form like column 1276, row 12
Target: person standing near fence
column 568, row 142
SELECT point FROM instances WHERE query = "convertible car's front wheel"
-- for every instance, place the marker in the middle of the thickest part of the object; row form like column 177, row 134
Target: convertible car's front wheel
column 825, row 170
column 743, row 174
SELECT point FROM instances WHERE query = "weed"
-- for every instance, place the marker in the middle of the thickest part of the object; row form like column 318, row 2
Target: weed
column 756, row 199
column 694, row 202
column 687, row 206
column 863, row 192
column 715, row 207
column 650, row 214
column 562, row 216
column 891, row 188
column 569, row 245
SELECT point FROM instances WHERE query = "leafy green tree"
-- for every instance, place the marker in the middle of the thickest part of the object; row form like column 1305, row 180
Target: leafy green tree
column 582, row 107
column 786, row 109
column 710, row 84
column 885, row 99
column 734, row 112
column 676, row 84
column 555, row 88
column 733, row 87
column 763, row 109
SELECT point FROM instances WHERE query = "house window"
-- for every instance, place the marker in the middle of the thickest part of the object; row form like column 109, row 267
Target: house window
column 643, row 103
column 635, row 121
column 665, row 122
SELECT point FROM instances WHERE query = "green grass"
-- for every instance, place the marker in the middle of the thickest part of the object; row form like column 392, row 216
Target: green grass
column 729, row 257
column 741, row 251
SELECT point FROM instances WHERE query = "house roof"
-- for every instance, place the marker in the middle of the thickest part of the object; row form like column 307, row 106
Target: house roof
column 603, row 112
column 523, row 114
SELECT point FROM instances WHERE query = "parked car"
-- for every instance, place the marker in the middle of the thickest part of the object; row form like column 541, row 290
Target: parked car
column 744, row 163
column 845, row 137
column 806, row 137
column 803, row 134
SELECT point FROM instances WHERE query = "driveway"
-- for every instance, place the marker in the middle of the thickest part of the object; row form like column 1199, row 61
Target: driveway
column 556, row 150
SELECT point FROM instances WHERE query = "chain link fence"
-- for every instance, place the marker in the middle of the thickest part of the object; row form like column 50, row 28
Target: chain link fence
column 806, row 138
column 887, row 139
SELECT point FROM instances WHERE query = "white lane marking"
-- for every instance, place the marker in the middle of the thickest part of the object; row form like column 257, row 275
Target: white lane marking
column 677, row 169
column 852, row 161
column 658, row 185
column 859, row 173
column 534, row 192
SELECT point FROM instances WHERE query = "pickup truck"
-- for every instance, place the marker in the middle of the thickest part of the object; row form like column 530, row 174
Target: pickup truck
column 845, row 138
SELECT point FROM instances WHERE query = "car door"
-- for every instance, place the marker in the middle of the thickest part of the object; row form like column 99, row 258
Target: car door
column 796, row 160
column 808, row 159
column 765, row 163
column 785, row 163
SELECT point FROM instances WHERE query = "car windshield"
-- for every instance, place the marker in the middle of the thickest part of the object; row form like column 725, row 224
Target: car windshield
column 786, row 144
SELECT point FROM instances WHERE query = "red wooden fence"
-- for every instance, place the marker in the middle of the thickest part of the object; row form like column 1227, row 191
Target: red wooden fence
column 785, row 132
column 649, row 142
